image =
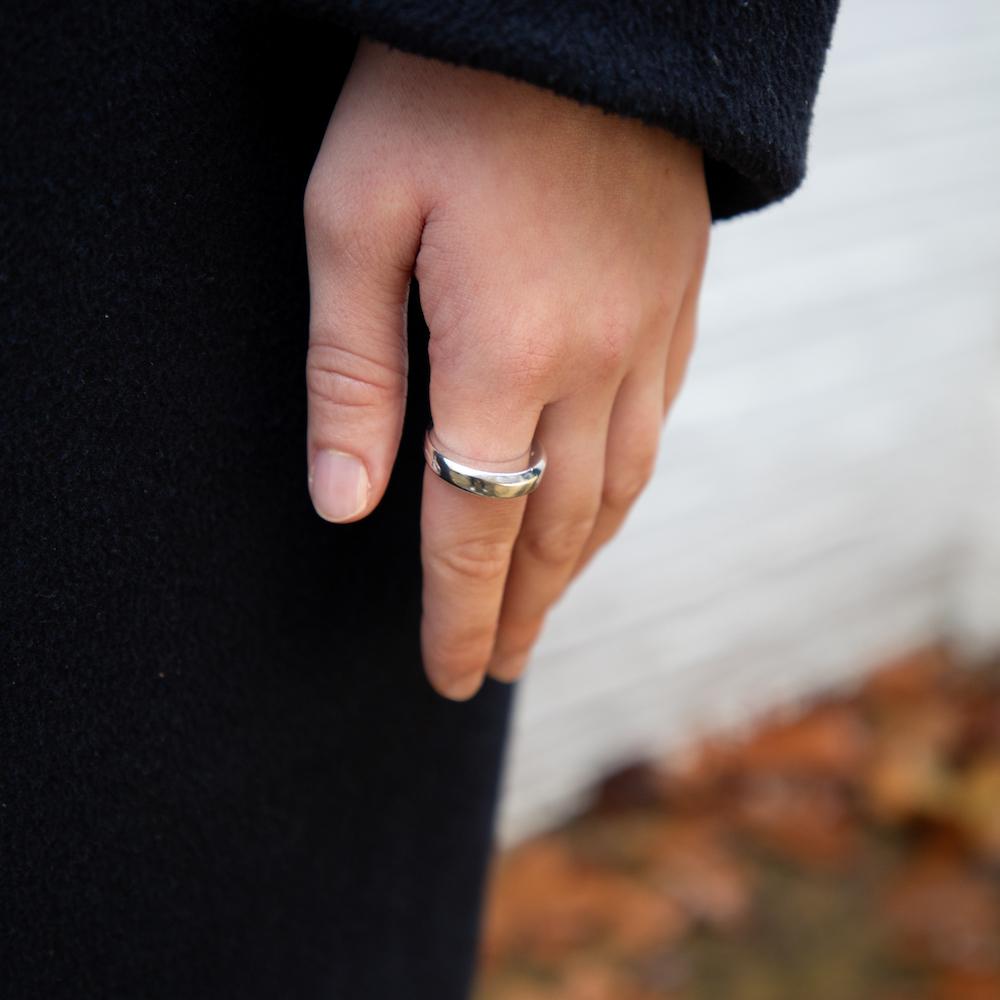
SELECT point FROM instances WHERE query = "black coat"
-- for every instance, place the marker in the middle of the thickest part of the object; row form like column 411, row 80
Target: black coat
column 222, row 773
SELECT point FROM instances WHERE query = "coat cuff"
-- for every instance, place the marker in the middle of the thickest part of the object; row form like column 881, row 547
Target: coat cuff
column 736, row 77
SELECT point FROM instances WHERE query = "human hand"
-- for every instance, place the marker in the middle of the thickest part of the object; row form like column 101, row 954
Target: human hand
column 559, row 253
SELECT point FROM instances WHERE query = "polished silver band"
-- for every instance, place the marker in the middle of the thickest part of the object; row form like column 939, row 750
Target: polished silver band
column 482, row 482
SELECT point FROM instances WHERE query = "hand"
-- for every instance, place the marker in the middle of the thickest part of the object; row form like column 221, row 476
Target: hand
column 559, row 252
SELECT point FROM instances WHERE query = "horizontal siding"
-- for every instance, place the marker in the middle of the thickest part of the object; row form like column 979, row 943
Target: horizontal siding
column 828, row 490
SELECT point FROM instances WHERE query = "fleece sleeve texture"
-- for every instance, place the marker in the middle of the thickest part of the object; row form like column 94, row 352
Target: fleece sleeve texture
column 736, row 77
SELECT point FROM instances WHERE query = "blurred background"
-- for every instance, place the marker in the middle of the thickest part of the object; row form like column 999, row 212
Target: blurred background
column 828, row 492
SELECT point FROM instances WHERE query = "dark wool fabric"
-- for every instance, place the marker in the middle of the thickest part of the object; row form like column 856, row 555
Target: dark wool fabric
column 221, row 771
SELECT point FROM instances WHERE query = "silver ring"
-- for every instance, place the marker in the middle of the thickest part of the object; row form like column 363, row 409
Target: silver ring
column 483, row 482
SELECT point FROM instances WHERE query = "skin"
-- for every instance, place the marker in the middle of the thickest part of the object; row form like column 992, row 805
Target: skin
column 559, row 252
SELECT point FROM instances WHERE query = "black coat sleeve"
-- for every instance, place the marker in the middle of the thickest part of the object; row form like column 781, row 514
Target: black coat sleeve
column 736, row 77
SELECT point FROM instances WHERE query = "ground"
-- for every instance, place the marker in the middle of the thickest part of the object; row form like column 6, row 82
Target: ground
column 846, row 852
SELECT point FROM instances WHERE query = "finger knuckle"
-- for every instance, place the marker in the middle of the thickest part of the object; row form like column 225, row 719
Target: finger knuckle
column 525, row 367
column 350, row 240
column 533, row 346
column 613, row 332
column 314, row 202
column 342, row 377
column 558, row 542
column 330, row 208
column 664, row 301
column 352, row 221
column 536, row 364
column 484, row 560
column 624, row 482
column 620, row 493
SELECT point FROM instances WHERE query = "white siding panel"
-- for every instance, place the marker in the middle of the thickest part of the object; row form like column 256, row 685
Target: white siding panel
column 828, row 490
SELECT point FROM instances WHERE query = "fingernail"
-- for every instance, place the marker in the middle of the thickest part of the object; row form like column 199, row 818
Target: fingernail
column 338, row 484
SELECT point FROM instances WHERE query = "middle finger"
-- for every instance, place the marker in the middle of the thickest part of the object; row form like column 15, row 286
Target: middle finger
column 557, row 523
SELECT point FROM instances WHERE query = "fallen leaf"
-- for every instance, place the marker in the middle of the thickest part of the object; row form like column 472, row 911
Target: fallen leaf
column 692, row 865
column 941, row 914
column 807, row 821
column 962, row 985
column 635, row 786
column 974, row 806
column 545, row 904
column 828, row 741
column 911, row 677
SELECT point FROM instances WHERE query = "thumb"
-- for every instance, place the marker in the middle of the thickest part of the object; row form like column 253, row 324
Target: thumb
column 360, row 264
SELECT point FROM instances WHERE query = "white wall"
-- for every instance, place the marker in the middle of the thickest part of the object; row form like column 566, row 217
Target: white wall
column 829, row 486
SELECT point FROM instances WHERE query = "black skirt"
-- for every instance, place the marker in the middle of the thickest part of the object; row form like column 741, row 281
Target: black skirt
column 222, row 773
